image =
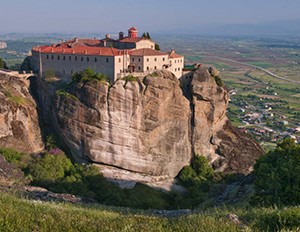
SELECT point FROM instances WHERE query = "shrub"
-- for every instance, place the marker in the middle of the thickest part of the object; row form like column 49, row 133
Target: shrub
column 15, row 157
column 278, row 176
column 49, row 168
column 130, row 78
column 219, row 81
column 66, row 94
column 88, row 75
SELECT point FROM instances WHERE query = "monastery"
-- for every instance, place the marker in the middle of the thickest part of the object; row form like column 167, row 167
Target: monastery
column 131, row 55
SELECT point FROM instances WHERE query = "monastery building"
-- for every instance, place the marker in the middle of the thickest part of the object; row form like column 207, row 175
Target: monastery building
column 131, row 55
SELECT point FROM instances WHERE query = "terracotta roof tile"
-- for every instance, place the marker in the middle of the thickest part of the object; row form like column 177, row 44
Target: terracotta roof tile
column 147, row 52
column 80, row 50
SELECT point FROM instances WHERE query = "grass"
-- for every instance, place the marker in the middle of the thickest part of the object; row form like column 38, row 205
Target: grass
column 24, row 215
column 19, row 214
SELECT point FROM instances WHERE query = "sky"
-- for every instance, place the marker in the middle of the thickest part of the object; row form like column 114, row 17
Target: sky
column 98, row 16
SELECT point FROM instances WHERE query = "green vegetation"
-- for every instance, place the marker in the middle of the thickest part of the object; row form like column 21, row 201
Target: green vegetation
column 16, row 98
column 66, row 94
column 219, row 81
column 23, row 215
column 277, row 176
column 130, row 78
column 88, row 75
column 3, row 64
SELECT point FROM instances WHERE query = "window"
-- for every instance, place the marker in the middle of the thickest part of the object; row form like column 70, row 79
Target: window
column 95, row 59
column 47, row 57
column 155, row 67
column 175, row 61
column 70, row 58
column 119, row 60
column 139, row 59
column 81, row 58
column 64, row 57
column 76, row 58
column 186, row 77
column 58, row 57
column 88, row 59
column 132, row 59
column 178, row 69
column 175, row 69
column 147, row 59
column 139, row 67
column 107, row 60
column 163, row 58
column 155, row 59
column 52, row 57
column 64, row 71
column 147, row 67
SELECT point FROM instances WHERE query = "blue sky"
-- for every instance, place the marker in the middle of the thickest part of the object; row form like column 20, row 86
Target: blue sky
column 156, row 15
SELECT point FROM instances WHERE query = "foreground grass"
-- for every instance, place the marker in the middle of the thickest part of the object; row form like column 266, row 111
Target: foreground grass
column 18, row 214
column 24, row 215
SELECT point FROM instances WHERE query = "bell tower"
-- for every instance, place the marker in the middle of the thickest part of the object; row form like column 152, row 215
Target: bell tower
column 132, row 32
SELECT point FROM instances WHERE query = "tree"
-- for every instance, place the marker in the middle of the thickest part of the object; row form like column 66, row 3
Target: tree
column 278, row 176
column 3, row 64
column 88, row 75
column 157, row 47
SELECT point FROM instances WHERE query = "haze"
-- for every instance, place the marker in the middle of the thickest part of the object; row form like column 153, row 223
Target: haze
column 69, row 16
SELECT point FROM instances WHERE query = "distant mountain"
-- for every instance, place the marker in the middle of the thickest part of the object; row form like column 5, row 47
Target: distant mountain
column 276, row 28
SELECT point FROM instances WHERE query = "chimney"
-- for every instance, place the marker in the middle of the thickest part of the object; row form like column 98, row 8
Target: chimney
column 107, row 36
column 121, row 35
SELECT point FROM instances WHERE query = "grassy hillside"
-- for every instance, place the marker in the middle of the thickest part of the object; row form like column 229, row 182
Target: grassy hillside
column 19, row 214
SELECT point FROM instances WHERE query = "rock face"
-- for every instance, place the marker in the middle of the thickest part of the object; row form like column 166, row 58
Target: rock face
column 213, row 134
column 149, row 127
column 141, row 126
column 19, row 126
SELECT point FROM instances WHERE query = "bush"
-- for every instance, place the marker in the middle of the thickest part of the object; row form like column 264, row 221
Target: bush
column 130, row 78
column 49, row 168
column 88, row 75
column 20, row 159
column 278, row 176
column 219, row 81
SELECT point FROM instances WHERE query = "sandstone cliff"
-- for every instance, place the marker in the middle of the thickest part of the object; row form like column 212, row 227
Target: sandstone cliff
column 142, row 126
column 213, row 134
column 149, row 127
column 19, row 126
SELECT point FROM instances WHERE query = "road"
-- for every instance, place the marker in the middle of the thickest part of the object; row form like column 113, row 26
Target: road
column 256, row 67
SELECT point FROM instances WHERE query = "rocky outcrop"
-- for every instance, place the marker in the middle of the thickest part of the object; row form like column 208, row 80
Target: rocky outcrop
column 19, row 126
column 140, row 126
column 148, row 126
column 213, row 134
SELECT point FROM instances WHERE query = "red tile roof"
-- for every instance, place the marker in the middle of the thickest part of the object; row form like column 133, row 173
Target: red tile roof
column 132, row 29
column 147, row 52
column 131, row 40
column 174, row 55
column 80, row 50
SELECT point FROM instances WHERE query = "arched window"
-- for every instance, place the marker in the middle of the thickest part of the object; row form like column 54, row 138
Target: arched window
column 95, row 59
column 58, row 57
column 147, row 67
column 64, row 57
column 81, row 58
column 70, row 58
column 88, row 59
column 107, row 60
column 47, row 57
column 52, row 57
column 155, row 67
column 76, row 58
